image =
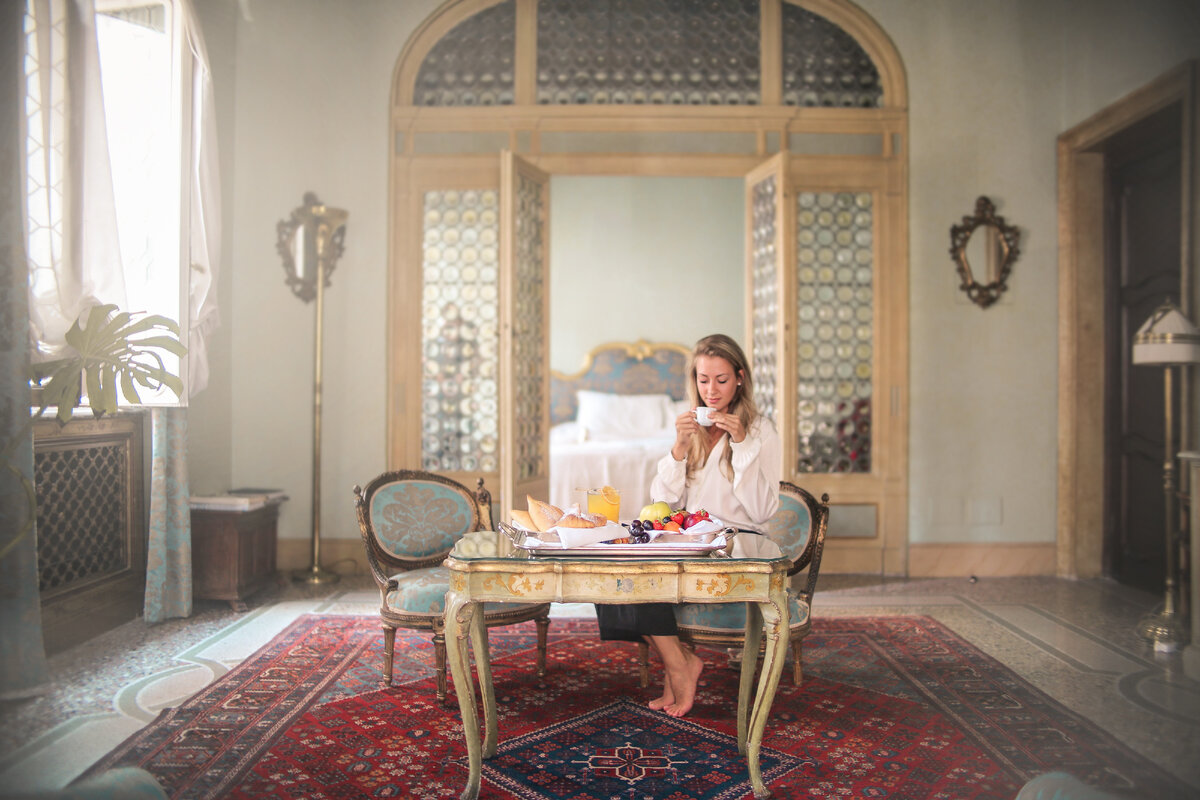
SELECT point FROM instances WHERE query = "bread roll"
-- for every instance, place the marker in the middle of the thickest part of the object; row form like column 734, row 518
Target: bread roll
column 522, row 519
column 583, row 521
column 544, row 515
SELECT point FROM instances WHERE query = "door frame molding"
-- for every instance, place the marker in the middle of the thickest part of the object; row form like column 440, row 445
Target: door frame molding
column 462, row 139
column 1081, row 304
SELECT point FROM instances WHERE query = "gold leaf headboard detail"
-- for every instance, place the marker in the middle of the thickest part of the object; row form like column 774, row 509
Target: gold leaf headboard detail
column 639, row 367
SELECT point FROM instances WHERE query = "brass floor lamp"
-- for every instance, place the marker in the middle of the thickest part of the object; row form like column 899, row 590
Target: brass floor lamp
column 1167, row 339
column 310, row 243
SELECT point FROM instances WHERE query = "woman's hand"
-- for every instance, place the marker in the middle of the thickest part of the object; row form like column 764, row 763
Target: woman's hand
column 685, row 427
column 730, row 423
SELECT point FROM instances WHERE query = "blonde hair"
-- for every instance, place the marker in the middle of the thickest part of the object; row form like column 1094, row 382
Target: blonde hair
column 721, row 346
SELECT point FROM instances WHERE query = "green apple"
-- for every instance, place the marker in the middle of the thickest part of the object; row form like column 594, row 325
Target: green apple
column 655, row 511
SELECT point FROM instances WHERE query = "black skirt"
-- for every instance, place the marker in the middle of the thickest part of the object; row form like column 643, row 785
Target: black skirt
column 631, row 621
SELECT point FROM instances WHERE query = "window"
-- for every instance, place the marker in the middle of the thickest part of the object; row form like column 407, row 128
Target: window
column 135, row 50
column 110, row 189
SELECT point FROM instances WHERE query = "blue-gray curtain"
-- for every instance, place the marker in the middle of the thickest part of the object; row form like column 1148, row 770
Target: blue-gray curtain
column 169, row 549
column 23, row 667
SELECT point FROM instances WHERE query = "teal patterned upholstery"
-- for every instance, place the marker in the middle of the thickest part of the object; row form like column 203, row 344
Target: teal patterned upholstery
column 799, row 528
column 791, row 527
column 417, row 519
column 732, row 616
column 409, row 521
column 423, row 591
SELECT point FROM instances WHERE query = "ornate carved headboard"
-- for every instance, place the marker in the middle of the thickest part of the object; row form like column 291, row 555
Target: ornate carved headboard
column 639, row 367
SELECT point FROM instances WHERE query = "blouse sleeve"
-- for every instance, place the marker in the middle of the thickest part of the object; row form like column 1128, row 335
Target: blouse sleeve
column 757, row 470
column 670, row 482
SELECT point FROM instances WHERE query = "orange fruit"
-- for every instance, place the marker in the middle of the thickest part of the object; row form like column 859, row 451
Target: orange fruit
column 611, row 495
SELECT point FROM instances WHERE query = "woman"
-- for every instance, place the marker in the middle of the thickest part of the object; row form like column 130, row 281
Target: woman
column 732, row 470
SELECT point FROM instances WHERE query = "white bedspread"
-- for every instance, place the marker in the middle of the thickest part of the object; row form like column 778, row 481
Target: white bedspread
column 626, row 464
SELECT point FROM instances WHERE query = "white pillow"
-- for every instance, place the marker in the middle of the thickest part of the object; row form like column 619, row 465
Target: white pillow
column 678, row 407
column 567, row 433
column 614, row 416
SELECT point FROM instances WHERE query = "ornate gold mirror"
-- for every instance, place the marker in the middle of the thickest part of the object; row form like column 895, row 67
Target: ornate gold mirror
column 984, row 248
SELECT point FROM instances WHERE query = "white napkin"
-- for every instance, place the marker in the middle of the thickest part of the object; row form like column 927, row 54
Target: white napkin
column 710, row 525
column 582, row 537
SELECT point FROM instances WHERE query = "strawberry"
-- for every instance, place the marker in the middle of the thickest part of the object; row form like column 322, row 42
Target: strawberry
column 658, row 526
column 678, row 517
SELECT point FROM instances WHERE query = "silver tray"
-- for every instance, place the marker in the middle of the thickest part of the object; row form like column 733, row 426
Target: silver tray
column 530, row 543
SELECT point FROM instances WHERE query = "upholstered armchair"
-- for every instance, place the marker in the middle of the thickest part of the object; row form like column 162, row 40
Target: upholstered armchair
column 798, row 527
column 410, row 520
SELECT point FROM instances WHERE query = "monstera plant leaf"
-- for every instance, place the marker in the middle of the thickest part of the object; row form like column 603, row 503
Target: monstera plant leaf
column 113, row 348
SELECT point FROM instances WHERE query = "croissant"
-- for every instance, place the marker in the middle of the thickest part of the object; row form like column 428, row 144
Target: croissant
column 544, row 515
column 583, row 520
column 522, row 519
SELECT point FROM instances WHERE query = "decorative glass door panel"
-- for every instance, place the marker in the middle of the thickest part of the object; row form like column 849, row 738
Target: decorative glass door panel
column 525, row 335
column 767, row 220
column 460, row 331
column 835, row 335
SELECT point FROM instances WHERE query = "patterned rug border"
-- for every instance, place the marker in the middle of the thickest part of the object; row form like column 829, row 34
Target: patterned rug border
column 251, row 711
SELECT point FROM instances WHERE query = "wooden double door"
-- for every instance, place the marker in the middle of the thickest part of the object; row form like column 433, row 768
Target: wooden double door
column 825, row 285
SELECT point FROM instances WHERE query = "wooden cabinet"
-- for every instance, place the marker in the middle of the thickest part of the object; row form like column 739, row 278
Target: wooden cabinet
column 233, row 553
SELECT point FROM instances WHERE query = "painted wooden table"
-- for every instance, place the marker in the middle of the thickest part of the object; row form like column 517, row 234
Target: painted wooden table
column 755, row 574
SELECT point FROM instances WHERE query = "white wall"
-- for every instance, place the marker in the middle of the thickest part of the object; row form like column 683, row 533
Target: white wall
column 644, row 258
column 991, row 86
column 210, row 414
column 310, row 113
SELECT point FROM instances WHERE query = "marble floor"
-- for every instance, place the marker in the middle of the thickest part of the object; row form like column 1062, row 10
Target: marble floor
column 1075, row 640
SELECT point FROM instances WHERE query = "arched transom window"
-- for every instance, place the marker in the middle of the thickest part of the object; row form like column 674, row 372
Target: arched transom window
column 650, row 52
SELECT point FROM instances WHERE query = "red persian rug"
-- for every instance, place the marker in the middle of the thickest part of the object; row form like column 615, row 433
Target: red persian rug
column 891, row 707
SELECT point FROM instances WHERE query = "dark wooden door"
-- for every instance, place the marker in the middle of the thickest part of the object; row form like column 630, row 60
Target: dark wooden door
column 1144, row 170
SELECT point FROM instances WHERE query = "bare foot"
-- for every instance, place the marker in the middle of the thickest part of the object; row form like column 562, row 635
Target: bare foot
column 668, row 697
column 686, row 683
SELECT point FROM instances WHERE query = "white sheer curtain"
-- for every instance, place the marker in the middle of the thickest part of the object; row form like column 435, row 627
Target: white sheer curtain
column 75, row 256
column 205, row 208
column 68, row 178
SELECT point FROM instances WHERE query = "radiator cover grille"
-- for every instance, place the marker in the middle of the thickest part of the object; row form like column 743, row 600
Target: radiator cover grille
column 91, row 525
column 83, row 514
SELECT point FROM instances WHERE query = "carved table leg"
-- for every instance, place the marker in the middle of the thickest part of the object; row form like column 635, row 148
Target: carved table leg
column 752, row 638
column 774, row 615
column 483, row 664
column 460, row 620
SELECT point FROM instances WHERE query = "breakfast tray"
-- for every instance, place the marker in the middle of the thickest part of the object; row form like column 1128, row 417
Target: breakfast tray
column 547, row 545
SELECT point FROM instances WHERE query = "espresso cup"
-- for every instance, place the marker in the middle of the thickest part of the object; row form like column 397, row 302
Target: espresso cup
column 702, row 416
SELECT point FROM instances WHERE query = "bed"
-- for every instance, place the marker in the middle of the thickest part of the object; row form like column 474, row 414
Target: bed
column 614, row 419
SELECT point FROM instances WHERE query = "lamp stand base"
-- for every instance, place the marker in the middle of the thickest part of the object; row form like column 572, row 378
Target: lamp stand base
column 1164, row 629
column 315, row 575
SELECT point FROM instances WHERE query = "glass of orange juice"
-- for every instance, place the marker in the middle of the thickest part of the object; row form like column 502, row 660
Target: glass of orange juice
column 606, row 501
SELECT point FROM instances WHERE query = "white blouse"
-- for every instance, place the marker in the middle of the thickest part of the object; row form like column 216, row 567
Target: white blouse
column 749, row 500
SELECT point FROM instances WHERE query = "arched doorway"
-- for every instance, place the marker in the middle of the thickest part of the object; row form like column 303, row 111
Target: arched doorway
column 806, row 101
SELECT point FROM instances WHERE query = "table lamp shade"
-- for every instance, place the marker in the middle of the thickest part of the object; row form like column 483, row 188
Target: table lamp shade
column 1168, row 337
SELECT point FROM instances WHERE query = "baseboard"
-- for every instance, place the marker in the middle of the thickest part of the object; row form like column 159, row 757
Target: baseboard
column 990, row 560
column 343, row 556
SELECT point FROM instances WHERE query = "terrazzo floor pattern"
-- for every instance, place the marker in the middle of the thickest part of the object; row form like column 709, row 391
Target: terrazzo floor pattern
column 1075, row 640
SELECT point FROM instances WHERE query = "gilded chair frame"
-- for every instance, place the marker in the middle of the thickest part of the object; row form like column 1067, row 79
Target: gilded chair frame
column 382, row 563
